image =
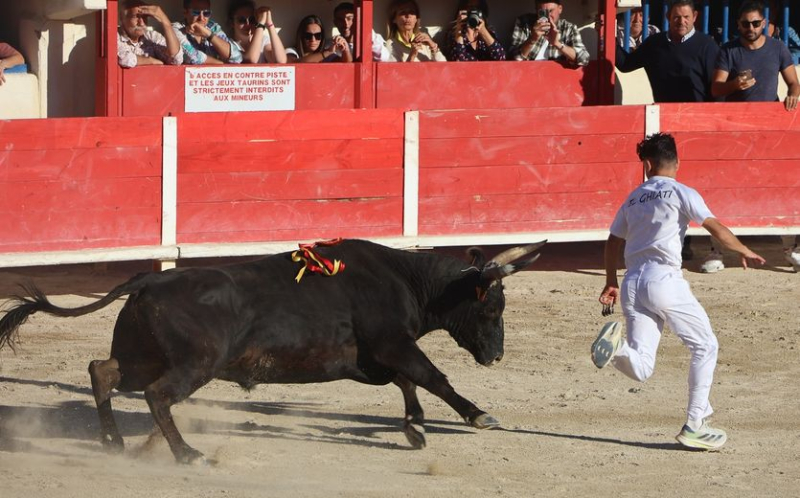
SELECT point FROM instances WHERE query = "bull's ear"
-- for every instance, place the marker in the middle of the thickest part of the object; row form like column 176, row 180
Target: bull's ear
column 476, row 257
column 510, row 261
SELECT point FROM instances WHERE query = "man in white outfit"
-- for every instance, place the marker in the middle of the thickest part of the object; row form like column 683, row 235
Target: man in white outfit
column 652, row 223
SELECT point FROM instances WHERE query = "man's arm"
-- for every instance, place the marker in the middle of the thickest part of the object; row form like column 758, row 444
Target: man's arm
column 11, row 58
column 790, row 77
column 610, row 294
column 628, row 62
column 729, row 241
column 721, row 87
column 173, row 45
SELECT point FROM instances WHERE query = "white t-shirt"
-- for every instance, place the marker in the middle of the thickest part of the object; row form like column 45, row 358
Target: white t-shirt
column 265, row 42
column 653, row 221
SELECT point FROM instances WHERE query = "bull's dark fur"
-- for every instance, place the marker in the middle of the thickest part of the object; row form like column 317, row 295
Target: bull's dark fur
column 251, row 323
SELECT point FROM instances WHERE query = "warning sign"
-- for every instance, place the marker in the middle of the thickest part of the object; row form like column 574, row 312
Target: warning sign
column 254, row 88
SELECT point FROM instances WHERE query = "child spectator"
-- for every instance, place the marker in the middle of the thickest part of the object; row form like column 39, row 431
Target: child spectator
column 254, row 33
column 344, row 18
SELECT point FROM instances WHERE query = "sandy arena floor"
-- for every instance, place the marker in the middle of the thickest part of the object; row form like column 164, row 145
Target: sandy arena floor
column 568, row 428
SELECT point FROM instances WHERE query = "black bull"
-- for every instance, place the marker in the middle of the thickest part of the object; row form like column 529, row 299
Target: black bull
column 252, row 323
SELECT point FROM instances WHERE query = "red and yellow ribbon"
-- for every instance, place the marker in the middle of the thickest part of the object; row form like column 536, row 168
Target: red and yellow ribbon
column 315, row 263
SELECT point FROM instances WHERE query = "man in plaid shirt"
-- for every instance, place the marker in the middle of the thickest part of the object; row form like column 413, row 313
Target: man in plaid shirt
column 545, row 36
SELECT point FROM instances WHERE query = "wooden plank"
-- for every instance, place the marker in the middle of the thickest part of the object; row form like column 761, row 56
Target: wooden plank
column 532, row 179
column 291, row 155
column 526, row 151
column 745, row 202
column 453, row 86
column 527, row 122
column 751, row 145
column 79, row 133
column 290, row 235
column 79, row 164
column 729, row 116
column 109, row 195
column 222, row 217
column 232, row 128
column 290, row 185
column 740, row 173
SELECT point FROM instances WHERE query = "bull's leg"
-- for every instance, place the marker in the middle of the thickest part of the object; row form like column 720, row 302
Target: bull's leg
column 413, row 423
column 409, row 361
column 173, row 387
column 105, row 377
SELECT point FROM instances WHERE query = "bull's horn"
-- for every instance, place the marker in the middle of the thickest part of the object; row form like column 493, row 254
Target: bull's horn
column 492, row 272
column 515, row 253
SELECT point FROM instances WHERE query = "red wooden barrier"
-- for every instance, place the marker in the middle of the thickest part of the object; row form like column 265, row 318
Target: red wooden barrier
column 79, row 183
column 743, row 158
column 290, row 175
column 526, row 170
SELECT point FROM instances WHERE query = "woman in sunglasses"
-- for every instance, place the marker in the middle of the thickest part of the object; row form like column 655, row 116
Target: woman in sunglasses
column 312, row 45
column 406, row 42
column 202, row 40
column 254, row 33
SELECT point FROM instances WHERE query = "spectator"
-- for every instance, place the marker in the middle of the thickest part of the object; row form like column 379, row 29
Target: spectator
column 775, row 32
column 680, row 62
column 311, row 44
column 254, row 33
column 747, row 71
column 9, row 57
column 471, row 39
column 202, row 40
column 406, row 42
column 636, row 32
column 139, row 46
column 344, row 18
column 546, row 36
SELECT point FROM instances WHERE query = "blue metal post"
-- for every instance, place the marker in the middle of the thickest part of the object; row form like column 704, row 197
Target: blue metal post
column 646, row 19
column 726, row 15
column 626, row 44
column 665, row 23
column 785, row 28
column 766, row 20
column 706, row 12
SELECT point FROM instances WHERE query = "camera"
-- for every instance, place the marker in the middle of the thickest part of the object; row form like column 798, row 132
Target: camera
column 474, row 18
column 544, row 14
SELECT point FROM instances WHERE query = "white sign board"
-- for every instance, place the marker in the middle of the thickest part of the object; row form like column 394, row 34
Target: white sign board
column 239, row 88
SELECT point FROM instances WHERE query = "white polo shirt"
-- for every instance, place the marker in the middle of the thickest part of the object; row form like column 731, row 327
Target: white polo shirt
column 653, row 221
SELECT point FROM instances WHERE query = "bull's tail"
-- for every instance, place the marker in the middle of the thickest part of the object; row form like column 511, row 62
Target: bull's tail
column 37, row 301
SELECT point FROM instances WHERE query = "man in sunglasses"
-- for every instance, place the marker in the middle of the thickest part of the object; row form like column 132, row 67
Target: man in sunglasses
column 747, row 71
column 202, row 40
column 679, row 62
column 139, row 46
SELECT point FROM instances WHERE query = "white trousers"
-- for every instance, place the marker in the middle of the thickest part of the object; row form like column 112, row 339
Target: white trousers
column 652, row 296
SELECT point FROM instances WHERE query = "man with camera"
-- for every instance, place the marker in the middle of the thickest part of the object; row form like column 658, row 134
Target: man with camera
column 546, row 36
column 470, row 38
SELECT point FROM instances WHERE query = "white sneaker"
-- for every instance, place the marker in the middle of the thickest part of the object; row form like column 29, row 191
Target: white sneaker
column 704, row 438
column 713, row 263
column 793, row 257
column 607, row 344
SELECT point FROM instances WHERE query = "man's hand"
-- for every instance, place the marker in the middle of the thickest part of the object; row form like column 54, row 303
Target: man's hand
column 742, row 82
column 608, row 298
column 554, row 35
column 199, row 29
column 155, row 12
column 791, row 102
column 753, row 258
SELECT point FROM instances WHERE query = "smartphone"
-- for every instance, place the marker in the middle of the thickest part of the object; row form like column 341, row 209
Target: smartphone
column 747, row 73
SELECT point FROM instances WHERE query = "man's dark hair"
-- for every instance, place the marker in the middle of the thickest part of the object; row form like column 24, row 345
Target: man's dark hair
column 681, row 3
column 751, row 6
column 344, row 6
column 658, row 148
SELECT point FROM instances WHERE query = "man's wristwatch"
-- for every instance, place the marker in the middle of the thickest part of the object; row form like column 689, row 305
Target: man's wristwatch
column 211, row 36
column 560, row 48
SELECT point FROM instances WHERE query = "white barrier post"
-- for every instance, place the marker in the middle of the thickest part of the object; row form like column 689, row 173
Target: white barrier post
column 411, row 175
column 169, row 189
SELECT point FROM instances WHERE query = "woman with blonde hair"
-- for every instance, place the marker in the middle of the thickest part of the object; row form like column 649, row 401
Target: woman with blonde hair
column 406, row 43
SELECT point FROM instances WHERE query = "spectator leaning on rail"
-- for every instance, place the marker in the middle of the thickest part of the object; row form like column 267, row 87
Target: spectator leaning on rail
column 470, row 39
column 202, row 40
column 680, row 62
column 312, row 47
column 406, row 42
column 747, row 71
column 344, row 18
column 9, row 57
column 637, row 29
column 139, row 46
column 547, row 36
column 254, row 33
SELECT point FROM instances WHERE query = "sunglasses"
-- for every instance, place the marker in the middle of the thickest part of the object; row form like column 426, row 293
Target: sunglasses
column 755, row 24
column 197, row 12
column 312, row 36
column 245, row 20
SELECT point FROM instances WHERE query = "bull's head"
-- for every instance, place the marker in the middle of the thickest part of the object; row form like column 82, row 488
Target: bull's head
column 477, row 320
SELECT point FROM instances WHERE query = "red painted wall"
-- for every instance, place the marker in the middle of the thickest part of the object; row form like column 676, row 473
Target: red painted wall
column 290, row 175
column 522, row 170
column 80, row 183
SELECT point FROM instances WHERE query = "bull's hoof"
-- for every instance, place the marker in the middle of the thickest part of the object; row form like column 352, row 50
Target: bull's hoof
column 484, row 421
column 191, row 456
column 415, row 433
column 113, row 444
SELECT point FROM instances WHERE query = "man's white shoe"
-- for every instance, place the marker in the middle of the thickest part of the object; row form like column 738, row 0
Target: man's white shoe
column 793, row 257
column 704, row 438
column 607, row 344
column 713, row 263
